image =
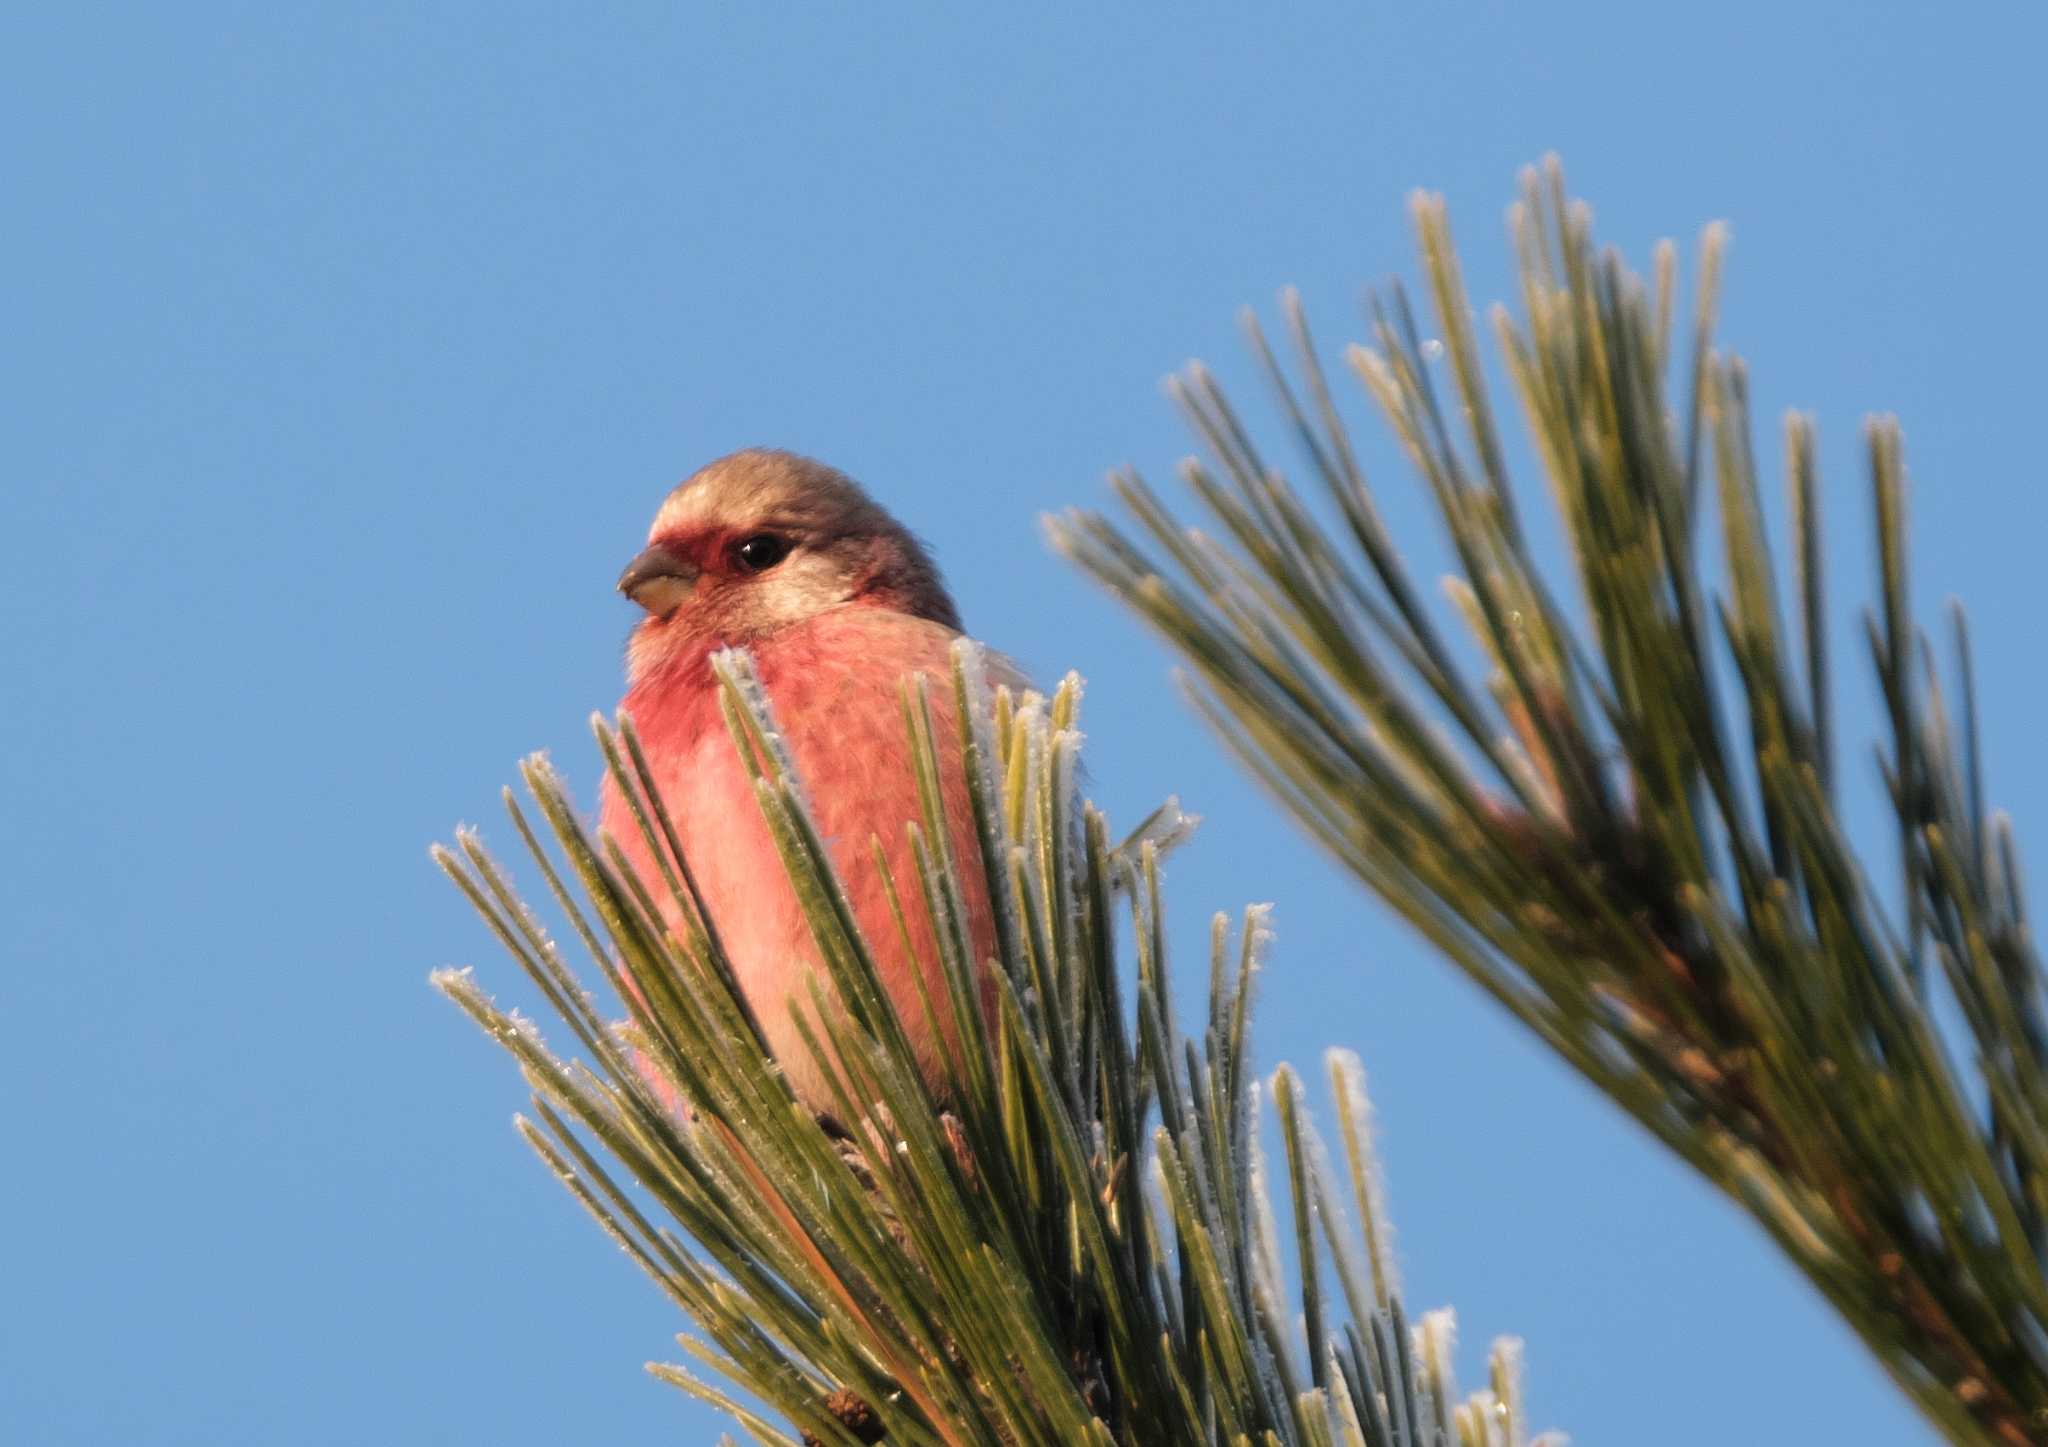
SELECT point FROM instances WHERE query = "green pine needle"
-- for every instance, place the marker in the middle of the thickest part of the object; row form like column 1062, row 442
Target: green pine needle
column 1076, row 1248
column 1627, row 831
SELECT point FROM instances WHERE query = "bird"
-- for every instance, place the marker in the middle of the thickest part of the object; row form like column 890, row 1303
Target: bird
column 836, row 602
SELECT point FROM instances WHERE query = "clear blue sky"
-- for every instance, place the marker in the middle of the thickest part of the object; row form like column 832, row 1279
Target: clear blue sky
column 348, row 353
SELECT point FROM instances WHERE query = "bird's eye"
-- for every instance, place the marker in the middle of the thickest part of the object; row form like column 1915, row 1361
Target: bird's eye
column 760, row 552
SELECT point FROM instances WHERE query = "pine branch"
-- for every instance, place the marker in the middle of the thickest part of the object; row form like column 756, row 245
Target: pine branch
column 1629, row 835
column 1078, row 1247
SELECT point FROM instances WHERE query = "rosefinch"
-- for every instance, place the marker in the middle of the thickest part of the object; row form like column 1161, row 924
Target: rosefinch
column 836, row 602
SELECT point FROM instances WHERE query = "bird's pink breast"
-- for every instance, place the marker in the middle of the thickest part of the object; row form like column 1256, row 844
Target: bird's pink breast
column 833, row 684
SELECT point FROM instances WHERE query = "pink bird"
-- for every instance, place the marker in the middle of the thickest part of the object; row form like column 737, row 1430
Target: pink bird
column 837, row 602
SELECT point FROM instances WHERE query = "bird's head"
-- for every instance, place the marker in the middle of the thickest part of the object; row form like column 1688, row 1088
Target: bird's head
column 761, row 540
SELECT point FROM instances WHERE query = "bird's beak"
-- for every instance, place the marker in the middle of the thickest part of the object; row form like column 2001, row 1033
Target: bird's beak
column 659, row 580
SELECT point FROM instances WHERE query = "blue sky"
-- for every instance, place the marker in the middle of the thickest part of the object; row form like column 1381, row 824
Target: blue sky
column 349, row 354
